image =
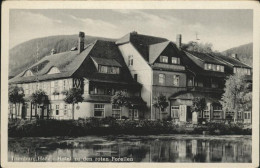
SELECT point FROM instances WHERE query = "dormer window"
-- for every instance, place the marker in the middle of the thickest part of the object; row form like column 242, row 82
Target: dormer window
column 214, row 67
column 28, row 73
column 244, row 71
column 54, row 70
column 164, row 59
column 108, row 69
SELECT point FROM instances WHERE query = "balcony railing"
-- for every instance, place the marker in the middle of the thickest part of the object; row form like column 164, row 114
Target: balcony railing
column 169, row 66
column 204, row 89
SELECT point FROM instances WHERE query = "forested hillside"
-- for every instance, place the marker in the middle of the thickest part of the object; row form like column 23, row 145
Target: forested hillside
column 244, row 53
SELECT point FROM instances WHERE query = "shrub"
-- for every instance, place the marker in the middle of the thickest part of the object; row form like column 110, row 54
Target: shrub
column 110, row 126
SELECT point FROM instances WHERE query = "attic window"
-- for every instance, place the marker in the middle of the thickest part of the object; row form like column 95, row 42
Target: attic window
column 108, row 69
column 28, row 73
column 244, row 71
column 213, row 67
column 54, row 70
column 164, row 59
column 175, row 60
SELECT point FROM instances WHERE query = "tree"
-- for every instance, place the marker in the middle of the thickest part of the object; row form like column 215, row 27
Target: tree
column 237, row 95
column 120, row 99
column 198, row 105
column 40, row 98
column 160, row 103
column 199, row 47
column 15, row 96
column 73, row 96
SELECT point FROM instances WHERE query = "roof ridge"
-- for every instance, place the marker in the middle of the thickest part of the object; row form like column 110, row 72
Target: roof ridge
column 131, row 34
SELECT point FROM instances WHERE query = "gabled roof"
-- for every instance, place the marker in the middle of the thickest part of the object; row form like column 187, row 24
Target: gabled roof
column 141, row 42
column 66, row 62
column 105, row 61
column 72, row 64
column 230, row 60
column 207, row 58
column 190, row 95
column 156, row 49
column 196, row 69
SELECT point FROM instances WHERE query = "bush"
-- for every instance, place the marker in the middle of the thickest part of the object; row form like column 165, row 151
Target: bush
column 110, row 126
column 223, row 129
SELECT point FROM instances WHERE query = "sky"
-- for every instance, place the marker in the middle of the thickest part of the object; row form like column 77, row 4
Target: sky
column 223, row 28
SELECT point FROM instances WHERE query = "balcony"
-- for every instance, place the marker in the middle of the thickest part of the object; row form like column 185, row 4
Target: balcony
column 173, row 67
column 205, row 89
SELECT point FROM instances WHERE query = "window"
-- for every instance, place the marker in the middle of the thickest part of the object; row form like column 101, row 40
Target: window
column 57, row 109
column 209, row 66
column 161, row 79
column 217, row 111
column 54, row 70
column 247, row 115
column 28, row 73
column 133, row 114
column 113, row 70
column 65, row 109
column 206, row 112
column 64, row 84
column 130, row 60
column 175, row 60
column 99, row 110
column 108, row 69
column 176, row 80
column 164, row 59
column 248, row 72
column 221, row 68
column 135, row 77
column 116, row 111
column 103, row 69
column 214, row 67
column 218, row 67
column 56, row 85
column 136, row 114
column 175, row 111
column 205, row 66
column 244, row 71
column 239, row 115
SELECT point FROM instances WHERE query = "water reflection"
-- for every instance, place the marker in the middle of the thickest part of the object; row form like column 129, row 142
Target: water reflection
column 174, row 148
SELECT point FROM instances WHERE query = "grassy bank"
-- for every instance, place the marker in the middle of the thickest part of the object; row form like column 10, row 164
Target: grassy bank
column 110, row 126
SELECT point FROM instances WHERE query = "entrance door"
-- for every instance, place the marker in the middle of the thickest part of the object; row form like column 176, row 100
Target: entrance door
column 189, row 114
column 24, row 111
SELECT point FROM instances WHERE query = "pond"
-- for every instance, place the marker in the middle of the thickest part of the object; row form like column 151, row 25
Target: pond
column 125, row 148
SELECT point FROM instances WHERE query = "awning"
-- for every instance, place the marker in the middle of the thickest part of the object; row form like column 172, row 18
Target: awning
column 190, row 95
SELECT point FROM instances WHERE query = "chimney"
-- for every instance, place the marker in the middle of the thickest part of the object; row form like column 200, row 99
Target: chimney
column 81, row 42
column 53, row 51
column 234, row 56
column 178, row 41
